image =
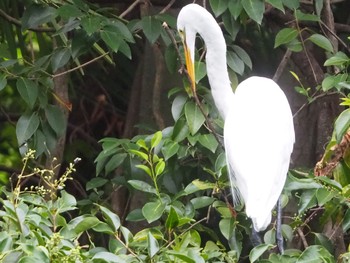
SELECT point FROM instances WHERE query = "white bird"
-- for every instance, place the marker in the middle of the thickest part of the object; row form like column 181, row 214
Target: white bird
column 258, row 130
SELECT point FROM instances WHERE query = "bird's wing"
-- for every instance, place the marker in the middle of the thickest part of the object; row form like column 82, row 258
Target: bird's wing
column 259, row 138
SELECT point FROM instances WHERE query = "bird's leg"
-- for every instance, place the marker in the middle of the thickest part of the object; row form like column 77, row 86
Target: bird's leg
column 279, row 235
column 256, row 239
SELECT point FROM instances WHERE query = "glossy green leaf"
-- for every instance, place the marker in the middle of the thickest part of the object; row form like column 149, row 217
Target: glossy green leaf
column 342, row 124
column 160, row 167
column 36, row 15
column 346, row 221
column 292, row 4
column 151, row 28
column 145, row 168
column 142, row 186
column 140, row 154
column 180, row 131
column 243, row 55
column 285, row 36
column 3, row 81
column 169, row 149
column 235, row 7
column 232, row 26
column 255, row 9
column 60, row 58
column 323, row 195
column 157, row 137
column 26, row 126
column 338, row 59
column 115, row 162
column 91, row 24
column 194, row 117
column 307, row 200
column 226, row 226
column 28, row 90
column 111, row 218
column 218, row 6
column 86, row 224
column 235, row 63
column 56, row 119
column 173, row 219
column 107, row 257
column 321, row 41
column 152, row 211
column 315, row 254
column 209, row 141
column 95, row 183
column 202, row 201
column 68, row 11
column 257, row 251
column 177, row 106
column 277, row 4
column 306, row 17
column 153, row 246
column 111, row 37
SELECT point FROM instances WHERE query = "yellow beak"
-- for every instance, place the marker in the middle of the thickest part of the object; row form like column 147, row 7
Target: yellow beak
column 190, row 68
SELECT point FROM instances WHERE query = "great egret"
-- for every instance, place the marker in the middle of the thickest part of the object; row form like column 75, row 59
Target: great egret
column 258, row 130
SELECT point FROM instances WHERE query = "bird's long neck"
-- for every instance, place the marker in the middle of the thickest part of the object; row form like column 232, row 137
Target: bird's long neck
column 217, row 68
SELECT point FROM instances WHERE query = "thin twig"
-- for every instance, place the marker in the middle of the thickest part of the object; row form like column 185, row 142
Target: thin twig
column 18, row 23
column 282, row 65
column 302, row 237
column 313, row 99
column 167, row 7
column 130, row 8
column 80, row 66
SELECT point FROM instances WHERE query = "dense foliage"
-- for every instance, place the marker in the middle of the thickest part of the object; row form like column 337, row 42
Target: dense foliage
column 53, row 210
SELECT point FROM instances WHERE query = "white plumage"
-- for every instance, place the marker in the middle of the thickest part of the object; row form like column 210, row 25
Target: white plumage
column 258, row 131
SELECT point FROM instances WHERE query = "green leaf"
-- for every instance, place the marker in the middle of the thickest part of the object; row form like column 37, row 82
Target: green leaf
column 285, row 36
column 3, row 81
column 151, row 28
column 341, row 125
column 200, row 70
column 218, row 6
column 243, row 55
column 95, row 183
column 111, row 37
column 107, row 257
column 307, row 200
column 202, row 201
column 140, row 154
column 235, row 63
column 173, row 219
column 321, row 41
column 145, row 168
column 194, row 117
column 292, row 4
column 169, row 149
column 180, row 131
column 235, row 8
column 177, row 106
column 28, row 90
column 209, row 141
column 56, row 119
column 142, row 186
column 153, row 246
column 36, row 15
column 306, row 17
column 26, row 127
column 315, row 254
column 338, row 59
column 157, row 137
column 68, row 11
column 112, row 219
column 226, row 226
column 91, row 24
column 182, row 256
column 257, row 251
column 323, row 195
column 277, row 4
column 152, row 211
column 160, row 167
column 60, row 58
column 86, row 224
column 346, row 221
column 255, row 9
column 115, row 162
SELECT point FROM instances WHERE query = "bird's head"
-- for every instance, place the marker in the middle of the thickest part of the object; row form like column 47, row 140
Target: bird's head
column 187, row 32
